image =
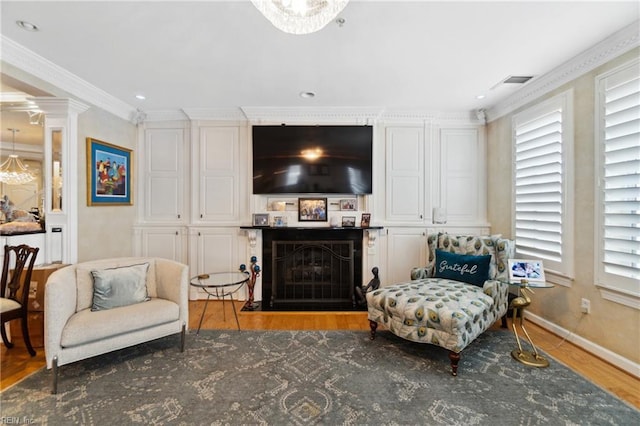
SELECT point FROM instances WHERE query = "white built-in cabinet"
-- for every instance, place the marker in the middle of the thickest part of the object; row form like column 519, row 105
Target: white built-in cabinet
column 220, row 160
column 462, row 180
column 405, row 177
column 165, row 196
column 430, row 170
column 168, row 242
column 406, row 248
column 195, row 193
column 215, row 249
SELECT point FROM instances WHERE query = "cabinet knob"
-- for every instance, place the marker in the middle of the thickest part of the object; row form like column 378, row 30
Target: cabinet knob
column 200, row 216
column 420, row 216
column 177, row 232
column 178, row 216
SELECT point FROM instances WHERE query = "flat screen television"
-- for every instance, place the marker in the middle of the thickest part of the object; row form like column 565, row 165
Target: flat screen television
column 312, row 159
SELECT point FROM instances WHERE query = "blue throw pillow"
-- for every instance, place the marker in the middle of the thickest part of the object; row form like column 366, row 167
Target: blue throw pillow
column 462, row 267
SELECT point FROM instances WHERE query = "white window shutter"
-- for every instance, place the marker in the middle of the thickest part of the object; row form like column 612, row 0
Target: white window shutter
column 539, row 183
column 619, row 191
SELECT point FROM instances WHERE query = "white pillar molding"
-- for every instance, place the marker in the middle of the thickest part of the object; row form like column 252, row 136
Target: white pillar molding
column 62, row 115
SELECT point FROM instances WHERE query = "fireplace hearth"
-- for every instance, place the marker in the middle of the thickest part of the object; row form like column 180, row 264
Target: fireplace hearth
column 311, row 268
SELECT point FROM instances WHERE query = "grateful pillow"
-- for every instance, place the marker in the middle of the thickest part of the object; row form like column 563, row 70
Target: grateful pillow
column 462, row 267
column 122, row 286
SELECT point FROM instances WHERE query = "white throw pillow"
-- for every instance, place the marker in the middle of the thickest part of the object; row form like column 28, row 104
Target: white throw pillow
column 121, row 286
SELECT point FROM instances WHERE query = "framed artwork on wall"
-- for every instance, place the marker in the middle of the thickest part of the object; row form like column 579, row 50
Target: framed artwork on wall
column 109, row 171
column 312, row 209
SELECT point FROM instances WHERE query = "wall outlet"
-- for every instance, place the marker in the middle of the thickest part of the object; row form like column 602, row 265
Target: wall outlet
column 585, row 306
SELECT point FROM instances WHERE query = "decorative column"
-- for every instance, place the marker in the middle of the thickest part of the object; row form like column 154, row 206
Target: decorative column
column 61, row 127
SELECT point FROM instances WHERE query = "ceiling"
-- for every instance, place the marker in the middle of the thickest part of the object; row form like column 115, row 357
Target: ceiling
column 390, row 54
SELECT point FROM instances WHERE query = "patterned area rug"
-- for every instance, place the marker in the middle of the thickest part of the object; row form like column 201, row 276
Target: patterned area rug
column 309, row 378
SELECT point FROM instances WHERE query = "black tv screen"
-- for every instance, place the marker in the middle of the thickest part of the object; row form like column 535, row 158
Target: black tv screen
column 312, row 159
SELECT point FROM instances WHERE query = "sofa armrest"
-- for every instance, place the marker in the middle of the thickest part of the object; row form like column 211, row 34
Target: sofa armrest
column 421, row 273
column 499, row 291
column 59, row 305
column 172, row 283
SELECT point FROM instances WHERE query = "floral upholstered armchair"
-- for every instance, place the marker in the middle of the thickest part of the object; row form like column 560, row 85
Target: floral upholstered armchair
column 458, row 295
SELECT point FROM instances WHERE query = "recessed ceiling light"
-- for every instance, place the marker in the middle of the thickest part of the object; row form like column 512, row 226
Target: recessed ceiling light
column 27, row 26
column 307, row 95
column 141, row 97
column 480, row 96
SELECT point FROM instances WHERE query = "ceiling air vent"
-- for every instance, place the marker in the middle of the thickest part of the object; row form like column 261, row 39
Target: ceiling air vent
column 517, row 79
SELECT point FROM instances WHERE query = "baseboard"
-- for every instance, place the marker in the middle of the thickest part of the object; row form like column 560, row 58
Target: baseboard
column 613, row 358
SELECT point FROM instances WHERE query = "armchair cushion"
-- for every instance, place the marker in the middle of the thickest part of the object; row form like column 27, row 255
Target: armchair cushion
column 122, row 286
column 470, row 269
column 117, row 322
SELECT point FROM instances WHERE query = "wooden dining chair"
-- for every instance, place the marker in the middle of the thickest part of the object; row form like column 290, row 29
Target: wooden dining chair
column 14, row 290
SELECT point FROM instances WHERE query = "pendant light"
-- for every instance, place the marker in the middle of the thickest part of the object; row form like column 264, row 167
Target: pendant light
column 12, row 171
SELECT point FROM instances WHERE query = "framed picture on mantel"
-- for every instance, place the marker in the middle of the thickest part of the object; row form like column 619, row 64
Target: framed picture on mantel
column 312, row 209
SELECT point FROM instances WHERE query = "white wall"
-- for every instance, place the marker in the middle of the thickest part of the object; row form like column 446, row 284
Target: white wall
column 103, row 231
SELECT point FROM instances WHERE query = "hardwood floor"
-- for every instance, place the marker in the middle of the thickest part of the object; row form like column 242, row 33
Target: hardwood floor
column 15, row 363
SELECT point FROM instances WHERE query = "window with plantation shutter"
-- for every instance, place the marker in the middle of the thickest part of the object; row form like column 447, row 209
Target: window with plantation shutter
column 542, row 173
column 618, row 189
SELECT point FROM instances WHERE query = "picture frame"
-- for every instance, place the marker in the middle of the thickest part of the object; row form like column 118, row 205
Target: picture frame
column 280, row 221
column 261, row 219
column 349, row 204
column 365, row 221
column 348, row 221
column 109, row 174
column 312, row 209
column 524, row 269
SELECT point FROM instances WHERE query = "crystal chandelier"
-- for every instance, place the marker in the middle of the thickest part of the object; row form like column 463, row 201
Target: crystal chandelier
column 12, row 171
column 300, row 16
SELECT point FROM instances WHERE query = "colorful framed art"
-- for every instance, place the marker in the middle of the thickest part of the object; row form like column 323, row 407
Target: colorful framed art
column 109, row 170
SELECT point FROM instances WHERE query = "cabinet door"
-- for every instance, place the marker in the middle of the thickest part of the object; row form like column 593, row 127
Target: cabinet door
column 219, row 176
column 165, row 193
column 462, row 176
column 407, row 249
column 404, row 148
column 214, row 250
column 166, row 243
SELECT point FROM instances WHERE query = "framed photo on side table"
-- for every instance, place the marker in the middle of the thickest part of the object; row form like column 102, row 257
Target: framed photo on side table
column 312, row 209
column 261, row 219
column 366, row 220
column 109, row 170
column 530, row 270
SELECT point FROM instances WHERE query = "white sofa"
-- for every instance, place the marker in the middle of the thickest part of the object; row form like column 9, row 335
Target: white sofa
column 74, row 332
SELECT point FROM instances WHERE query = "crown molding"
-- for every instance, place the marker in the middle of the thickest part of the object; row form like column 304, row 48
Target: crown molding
column 290, row 115
column 162, row 115
column 618, row 43
column 28, row 61
column 439, row 117
column 224, row 114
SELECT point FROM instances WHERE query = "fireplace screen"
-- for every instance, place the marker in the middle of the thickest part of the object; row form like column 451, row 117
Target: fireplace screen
column 313, row 272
